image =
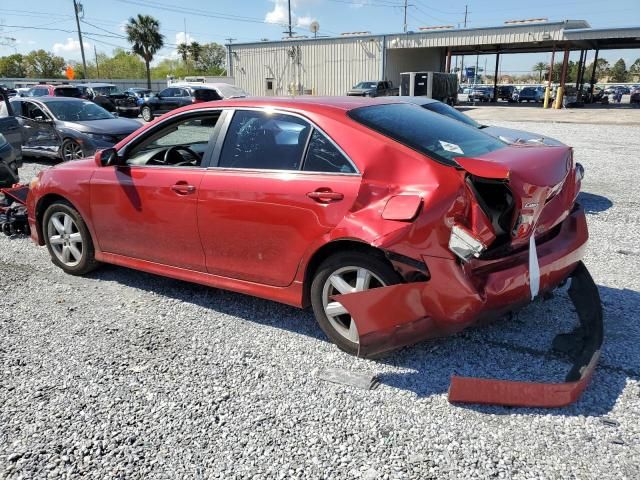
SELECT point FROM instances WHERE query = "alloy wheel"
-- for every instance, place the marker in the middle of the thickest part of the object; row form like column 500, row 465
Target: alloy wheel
column 346, row 280
column 71, row 151
column 65, row 238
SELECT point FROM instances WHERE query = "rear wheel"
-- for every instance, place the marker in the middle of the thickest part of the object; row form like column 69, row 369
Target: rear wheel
column 68, row 239
column 147, row 114
column 346, row 273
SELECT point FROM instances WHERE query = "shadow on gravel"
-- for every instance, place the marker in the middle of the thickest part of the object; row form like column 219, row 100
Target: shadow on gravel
column 593, row 203
column 501, row 350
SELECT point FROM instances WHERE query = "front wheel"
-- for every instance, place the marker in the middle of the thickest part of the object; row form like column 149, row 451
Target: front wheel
column 71, row 150
column 147, row 114
column 68, row 239
column 346, row 273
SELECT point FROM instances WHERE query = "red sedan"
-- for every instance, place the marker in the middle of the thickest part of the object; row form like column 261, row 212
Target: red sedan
column 393, row 222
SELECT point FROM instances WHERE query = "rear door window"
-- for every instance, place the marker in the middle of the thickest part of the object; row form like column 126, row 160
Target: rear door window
column 264, row 140
column 67, row 92
column 434, row 135
column 324, row 156
column 206, row 95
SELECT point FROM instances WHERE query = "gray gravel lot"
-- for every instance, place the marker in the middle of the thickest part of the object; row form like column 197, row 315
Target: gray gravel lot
column 128, row 375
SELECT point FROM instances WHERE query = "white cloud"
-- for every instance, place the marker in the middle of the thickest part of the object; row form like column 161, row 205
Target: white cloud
column 71, row 46
column 280, row 14
column 181, row 38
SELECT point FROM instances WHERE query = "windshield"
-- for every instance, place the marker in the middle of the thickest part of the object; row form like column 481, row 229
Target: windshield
column 109, row 90
column 78, row 111
column 444, row 109
column 366, row 85
column 231, row 91
column 432, row 134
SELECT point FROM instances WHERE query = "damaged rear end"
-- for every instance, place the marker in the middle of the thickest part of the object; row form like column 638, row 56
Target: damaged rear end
column 511, row 232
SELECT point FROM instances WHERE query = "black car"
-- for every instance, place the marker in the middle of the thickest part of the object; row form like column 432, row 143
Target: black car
column 67, row 128
column 10, row 142
column 111, row 98
column 181, row 95
column 505, row 92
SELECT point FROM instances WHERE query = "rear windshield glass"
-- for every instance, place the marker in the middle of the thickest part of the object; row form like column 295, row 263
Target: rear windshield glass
column 444, row 109
column 206, row 95
column 67, row 92
column 435, row 135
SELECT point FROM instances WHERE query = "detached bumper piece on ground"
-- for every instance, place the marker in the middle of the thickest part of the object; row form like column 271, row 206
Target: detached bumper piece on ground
column 13, row 211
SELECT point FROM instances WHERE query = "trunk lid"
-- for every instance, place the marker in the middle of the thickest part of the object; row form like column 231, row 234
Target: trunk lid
column 521, row 190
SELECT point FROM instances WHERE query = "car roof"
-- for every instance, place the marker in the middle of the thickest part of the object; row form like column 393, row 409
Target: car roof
column 95, row 85
column 417, row 100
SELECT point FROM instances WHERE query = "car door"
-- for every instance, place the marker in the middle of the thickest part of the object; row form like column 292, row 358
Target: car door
column 39, row 134
column 261, row 207
column 146, row 207
column 167, row 100
column 9, row 125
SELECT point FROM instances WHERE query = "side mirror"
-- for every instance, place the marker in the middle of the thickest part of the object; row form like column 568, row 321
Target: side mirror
column 107, row 158
column 115, row 114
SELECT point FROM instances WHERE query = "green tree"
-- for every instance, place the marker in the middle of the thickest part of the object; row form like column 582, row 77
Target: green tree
column 12, row 66
column 39, row 63
column 212, row 59
column 195, row 49
column 618, row 73
column 183, row 52
column 602, row 70
column 541, row 68
column 174, row 67
column 635, row 67
column 144, row 35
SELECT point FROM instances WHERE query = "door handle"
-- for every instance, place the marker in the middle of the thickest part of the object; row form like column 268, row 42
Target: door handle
column 182, row 188
column 325, row 196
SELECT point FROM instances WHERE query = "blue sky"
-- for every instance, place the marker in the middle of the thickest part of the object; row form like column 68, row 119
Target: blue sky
column 50, row 24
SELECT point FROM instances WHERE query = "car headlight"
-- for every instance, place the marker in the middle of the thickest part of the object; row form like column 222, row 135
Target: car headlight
column 101, row 137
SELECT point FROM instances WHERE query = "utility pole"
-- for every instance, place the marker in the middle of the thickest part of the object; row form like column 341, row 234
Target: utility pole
column 77, row 7
column 464, row 73
column 95, row 53
column 229, row 57
column 466, row 7
column 290, row 32
column 406, row 5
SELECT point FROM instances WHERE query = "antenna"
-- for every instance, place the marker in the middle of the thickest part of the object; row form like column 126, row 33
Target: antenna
column 314, row 27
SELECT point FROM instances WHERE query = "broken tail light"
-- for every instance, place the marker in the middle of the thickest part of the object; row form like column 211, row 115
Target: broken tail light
column 464, row 244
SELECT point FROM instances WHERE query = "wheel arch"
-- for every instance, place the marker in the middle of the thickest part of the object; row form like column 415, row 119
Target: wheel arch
column 328, row 249
column 45, row 202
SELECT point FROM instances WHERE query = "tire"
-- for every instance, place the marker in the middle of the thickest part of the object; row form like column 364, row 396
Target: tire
column 71, row 150
column 66, row 234
column 347, row 266
column 147, row 114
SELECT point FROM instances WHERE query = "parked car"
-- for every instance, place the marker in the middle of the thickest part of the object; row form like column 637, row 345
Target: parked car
column 531, row 94
column 11, row 134
column 178, row 96
column 111, row 98
column 635, row 95
column 67, row 128
column 509, row 135
column 481, row 94
column 373, row 89
column 62, row 90
column 320, row 202
column 506, row 92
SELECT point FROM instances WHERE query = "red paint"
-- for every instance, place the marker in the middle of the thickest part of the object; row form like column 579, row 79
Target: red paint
column 255, row 232
column 519, row 394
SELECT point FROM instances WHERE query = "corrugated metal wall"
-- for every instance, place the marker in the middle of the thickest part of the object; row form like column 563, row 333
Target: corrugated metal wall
column 413, row 60
column 324, row 67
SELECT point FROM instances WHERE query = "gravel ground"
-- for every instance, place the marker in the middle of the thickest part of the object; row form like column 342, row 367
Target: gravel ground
column 128, row 375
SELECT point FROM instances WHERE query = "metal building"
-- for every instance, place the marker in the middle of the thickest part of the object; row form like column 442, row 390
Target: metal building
column 330, row 66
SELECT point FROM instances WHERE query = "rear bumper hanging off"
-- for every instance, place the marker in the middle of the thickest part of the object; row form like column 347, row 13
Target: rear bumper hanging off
column 583, row 345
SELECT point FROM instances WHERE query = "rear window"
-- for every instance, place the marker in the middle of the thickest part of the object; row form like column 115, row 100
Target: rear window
column 432, row 134
column 444, row 109
column 67, row 92
column 206, row 95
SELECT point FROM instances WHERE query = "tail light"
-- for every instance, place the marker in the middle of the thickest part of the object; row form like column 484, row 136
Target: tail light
column 464, row 244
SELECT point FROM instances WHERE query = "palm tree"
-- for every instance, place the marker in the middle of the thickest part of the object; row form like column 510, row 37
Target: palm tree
column 541, row 68
column 195, row 51
column 144, row 34
column 183, row 51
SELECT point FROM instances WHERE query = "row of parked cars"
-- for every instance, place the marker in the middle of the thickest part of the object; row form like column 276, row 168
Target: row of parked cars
column 133, row 102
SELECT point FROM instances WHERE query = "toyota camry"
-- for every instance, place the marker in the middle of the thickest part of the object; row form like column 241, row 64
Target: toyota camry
column 392, row 222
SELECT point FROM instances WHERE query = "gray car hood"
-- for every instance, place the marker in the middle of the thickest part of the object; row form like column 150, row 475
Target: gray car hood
column 511, row 135
column 109, row 126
